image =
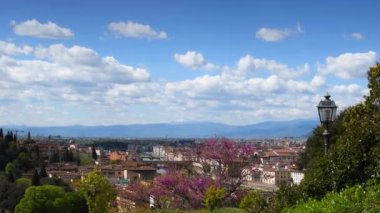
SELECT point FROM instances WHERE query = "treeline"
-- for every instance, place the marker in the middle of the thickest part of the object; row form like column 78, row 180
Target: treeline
column 347, row 178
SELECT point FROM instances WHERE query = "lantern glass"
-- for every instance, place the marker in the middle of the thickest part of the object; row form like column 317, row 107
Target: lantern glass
column 327, row 110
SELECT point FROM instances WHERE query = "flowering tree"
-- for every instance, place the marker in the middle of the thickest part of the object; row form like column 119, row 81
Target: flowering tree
column 177, row 190
column 227, row 160
column 221, row 161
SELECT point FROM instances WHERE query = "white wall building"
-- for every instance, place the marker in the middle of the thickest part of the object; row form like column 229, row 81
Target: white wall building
column 297, row 177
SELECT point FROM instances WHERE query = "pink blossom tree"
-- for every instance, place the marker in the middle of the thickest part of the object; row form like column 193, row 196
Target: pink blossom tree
column 221, row 160
column 178, row 190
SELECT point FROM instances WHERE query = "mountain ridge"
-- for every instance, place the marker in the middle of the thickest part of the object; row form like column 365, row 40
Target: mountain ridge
column 267, row 129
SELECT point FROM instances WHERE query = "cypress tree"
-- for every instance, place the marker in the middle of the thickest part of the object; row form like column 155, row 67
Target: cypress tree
column 36, row 178
column 94, row 155
column 43, row 172
column 29, row 136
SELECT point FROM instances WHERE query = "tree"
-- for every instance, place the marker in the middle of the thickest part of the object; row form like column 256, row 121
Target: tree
column 36, row 178
column 26, row 182
column 94, row 155
column 177, row 190
column 213, row 197
column 56, row 182
column 352, row 199
column 48, row 198
column 227, row 160
column 354, row 156
column 97, row 191
column 29, row 137
column 253, row 202
column 43, row 171
column 10, row 194
column 9, row 172
column 220, row 162
column 24, row 161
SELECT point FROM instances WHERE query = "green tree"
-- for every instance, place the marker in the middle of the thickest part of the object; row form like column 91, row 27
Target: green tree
column 72, row 202
column 26, row 182
column 253, row 202
column 10, row 194
column 354, row 156
column 354, row 199
column 97, row 191
column 285, row 197
column 213, row 197
column 48, row 198
column 9, row 171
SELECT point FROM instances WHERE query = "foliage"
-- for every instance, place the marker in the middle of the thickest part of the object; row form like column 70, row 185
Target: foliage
column 213, row 197
column 97, row 191
column 354, row 156
column 10, row 193
column 36, row 178
column 253, row 202
column 285, row 197
column 219, row 162
column 186, row 191
column 56, row 182
column 48, row 198
column 85, row 160
column 93, row 152
column 353, row 199
column 227, row 159
column 24, row 182
column 43, row 172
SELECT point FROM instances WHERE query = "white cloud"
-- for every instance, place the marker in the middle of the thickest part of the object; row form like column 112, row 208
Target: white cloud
column 317, row 81
column 274, row 35
column 36, row 29
column 60, row 85
column 194, row 60
column 64, row 74
column 135, row 30
column 12, row 49
column 351, row 89
column 357, row 36
column 249, row 63
column 349, row 65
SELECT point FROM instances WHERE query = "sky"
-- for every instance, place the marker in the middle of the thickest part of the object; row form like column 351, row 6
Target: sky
column 66, row 62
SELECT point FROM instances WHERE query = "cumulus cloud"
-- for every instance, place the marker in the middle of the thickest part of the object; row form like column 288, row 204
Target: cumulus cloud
column 249, row 63
column 58, row 83
column 59, row 73
column 37, row 29
column 349, row 65
column 357, row 36
column 194, row 60
column 132, row 29
column 317, row 81
column 351, row 89
column 12, row 49
column 274, row 35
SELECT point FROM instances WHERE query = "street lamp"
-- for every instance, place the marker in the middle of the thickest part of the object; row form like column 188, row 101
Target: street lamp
column 327, row 114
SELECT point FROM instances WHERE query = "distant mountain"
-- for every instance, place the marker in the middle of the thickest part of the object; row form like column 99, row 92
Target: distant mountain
column 270, row 129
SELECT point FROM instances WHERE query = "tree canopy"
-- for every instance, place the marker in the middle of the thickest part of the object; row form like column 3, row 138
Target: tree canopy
column 48, row 198
column 97, row 191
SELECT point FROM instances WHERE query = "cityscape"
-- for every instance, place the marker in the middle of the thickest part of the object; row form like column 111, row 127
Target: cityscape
column 183, row 106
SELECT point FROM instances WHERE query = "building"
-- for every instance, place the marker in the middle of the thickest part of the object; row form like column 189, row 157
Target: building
column 297, row 177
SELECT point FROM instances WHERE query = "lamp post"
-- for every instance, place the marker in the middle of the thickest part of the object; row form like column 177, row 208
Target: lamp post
column 327, row 114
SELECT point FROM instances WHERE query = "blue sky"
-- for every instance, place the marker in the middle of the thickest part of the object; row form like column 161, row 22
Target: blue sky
column 236, row 62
